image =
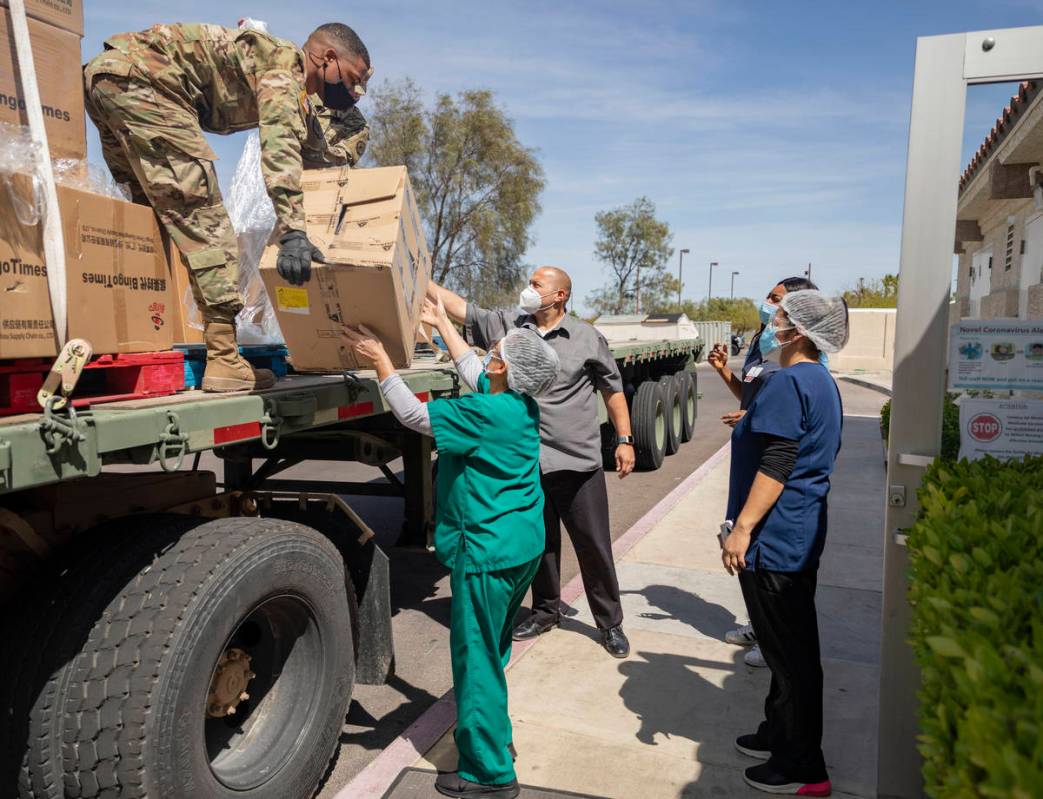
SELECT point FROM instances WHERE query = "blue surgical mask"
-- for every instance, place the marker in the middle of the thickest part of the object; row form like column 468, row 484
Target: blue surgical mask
column 488, row 359
column 823, row 359
column 770, row 345
column 767, row 312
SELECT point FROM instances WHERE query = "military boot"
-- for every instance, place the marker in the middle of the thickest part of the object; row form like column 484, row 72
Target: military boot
column 226, row 369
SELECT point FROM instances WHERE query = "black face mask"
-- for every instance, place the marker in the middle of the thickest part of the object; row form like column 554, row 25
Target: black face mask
column 336, row 95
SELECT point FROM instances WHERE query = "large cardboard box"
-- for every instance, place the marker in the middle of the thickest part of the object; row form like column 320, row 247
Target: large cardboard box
column 367, row 225
column 119, row 292
column 64, row 14
column 58, row 74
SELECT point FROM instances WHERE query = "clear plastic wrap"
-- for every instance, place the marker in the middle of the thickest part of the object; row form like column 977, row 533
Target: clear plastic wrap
column 78, row 174
column 253, row 217
column 18, row 157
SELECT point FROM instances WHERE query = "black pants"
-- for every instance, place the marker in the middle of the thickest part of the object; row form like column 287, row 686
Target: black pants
column 782, row 611
column 580, row 500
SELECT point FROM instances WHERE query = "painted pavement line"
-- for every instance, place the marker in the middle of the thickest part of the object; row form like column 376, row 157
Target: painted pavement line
column 377, row 778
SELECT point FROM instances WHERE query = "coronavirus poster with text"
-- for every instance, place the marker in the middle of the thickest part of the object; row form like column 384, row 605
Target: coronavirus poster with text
column 1006, row 428
column 999, row 354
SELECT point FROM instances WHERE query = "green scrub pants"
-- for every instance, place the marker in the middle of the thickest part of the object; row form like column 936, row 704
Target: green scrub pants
column 483, row 609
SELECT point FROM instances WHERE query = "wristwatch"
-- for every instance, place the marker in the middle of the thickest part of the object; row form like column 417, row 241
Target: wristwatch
column 620, row 440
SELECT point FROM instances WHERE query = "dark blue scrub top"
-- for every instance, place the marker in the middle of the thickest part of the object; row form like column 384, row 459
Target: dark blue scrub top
column 755, row 371
column 801, row 403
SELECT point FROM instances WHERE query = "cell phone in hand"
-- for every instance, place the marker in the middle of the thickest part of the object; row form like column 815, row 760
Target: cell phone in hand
column 725, row 531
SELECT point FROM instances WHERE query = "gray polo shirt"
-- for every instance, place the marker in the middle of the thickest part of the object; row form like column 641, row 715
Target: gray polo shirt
column 569, row 428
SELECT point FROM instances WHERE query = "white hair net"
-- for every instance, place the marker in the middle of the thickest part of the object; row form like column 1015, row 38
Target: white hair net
column 822, row 319
column 532, row 363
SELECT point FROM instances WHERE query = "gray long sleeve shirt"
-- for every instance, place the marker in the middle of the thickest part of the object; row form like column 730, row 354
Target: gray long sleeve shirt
column 569, row 430
column 411, row 412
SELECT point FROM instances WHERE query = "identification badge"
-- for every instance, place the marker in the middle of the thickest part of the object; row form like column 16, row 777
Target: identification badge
column 753, row 374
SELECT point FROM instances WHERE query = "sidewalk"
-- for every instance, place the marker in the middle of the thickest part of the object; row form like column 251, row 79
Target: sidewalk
column 661, row 723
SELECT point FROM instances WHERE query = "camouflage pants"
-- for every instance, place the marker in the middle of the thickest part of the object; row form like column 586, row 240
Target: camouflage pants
column 155, row 144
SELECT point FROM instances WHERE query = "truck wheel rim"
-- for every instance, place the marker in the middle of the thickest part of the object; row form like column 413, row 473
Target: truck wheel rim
column 660, row 427
column 250, row 737
column 677, row 414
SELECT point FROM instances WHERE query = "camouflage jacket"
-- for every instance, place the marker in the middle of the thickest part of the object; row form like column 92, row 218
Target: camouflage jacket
column 237, row 80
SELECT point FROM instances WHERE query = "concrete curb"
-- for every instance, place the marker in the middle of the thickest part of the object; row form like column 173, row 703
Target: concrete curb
column 866, row 384
column 376, row 778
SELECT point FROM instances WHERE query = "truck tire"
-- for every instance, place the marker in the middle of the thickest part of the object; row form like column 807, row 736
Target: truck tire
column 223, row 668
column 674, row 415
column 689, row 404
column 649, row 423
column 44, row 636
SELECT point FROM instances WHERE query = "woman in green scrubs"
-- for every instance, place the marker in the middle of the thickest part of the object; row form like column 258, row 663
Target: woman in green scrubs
column 488, row 529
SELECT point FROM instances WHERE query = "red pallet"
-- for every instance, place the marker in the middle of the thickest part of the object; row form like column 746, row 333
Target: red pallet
column 106, row 378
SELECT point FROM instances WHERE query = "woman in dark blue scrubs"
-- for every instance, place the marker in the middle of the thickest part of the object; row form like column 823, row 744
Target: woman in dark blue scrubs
column 755, row 371
column 783, row 452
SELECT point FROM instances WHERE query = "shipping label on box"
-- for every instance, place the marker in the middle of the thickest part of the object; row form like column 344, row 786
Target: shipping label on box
column 57, row 56
column 366, row 223
column 64, row 14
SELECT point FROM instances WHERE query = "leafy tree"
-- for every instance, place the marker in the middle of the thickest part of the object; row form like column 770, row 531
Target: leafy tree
column 633, row 245
column 477, row 186
column 882, row 293
column 741, row 312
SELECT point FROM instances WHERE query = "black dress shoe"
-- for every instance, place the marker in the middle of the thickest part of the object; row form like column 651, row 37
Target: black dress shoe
column 615, row 642
column 450, row 783
column 531, row 628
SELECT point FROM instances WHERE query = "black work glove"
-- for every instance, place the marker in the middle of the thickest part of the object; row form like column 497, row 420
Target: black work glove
column 295, row 256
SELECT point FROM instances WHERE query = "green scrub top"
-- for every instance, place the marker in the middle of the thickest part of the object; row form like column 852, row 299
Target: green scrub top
column 490, row 501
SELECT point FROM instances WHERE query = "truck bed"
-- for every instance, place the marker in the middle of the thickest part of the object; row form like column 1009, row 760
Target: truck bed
column 163, row 430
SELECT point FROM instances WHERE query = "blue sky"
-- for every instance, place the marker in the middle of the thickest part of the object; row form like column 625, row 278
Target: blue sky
column 768, row 134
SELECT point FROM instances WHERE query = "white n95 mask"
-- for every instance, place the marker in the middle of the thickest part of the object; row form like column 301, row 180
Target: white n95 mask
column 531, row 300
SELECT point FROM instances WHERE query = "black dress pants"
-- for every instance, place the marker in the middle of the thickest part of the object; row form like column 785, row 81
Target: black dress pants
column 782, row 611
column 580, row 500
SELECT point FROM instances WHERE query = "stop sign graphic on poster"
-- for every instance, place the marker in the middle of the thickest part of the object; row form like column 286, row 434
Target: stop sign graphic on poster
column 984, row 427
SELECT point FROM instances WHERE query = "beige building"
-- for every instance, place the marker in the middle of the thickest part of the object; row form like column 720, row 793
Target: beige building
column 999, row 227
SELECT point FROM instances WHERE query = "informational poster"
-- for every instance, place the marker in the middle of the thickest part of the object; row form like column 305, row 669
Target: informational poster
column 1003, row 428
column 997, row 354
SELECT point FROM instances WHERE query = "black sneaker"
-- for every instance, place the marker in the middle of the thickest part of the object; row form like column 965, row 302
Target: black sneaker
column 532, row 628
column 450, row 783
column 615, row 642
column 769, row 779
column 751, row 746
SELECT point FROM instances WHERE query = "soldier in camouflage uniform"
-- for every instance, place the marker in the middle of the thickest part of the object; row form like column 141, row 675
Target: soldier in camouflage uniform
column 153, row 93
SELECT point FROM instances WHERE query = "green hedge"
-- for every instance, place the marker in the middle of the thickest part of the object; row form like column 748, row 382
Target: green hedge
column 950, row 426
column 976, row 589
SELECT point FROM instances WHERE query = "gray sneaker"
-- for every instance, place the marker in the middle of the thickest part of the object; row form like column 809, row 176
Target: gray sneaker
column 741, row 636
column 755, row 658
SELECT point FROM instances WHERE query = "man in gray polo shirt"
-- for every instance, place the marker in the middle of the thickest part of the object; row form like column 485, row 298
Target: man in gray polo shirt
column 570, row 458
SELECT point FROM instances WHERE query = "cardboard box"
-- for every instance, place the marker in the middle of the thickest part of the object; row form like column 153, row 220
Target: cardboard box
column 119, row 291
column 366, row 223
column 64, row 14
column 58, row 74
column 184, row 332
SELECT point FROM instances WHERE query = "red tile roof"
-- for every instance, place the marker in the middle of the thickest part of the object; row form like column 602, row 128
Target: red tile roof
column 1006, row 122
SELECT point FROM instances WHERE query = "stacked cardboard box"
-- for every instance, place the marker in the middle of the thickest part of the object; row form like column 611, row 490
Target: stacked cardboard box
column 120, row 296
column 55, row 30
column 366, row 223
column 118, row 285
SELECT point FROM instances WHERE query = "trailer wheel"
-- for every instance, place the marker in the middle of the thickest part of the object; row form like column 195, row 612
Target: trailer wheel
column 689, row 407
column 674, row 413
column 44, row 634
column 222, row 668
column 649, row 422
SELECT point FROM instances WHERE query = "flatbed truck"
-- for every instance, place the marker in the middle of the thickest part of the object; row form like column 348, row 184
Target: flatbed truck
column 166, row 634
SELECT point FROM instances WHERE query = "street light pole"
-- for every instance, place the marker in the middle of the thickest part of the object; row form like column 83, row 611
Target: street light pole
column 680, row 268
column 732, row 295
column 709, row 287
column 637, row 287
